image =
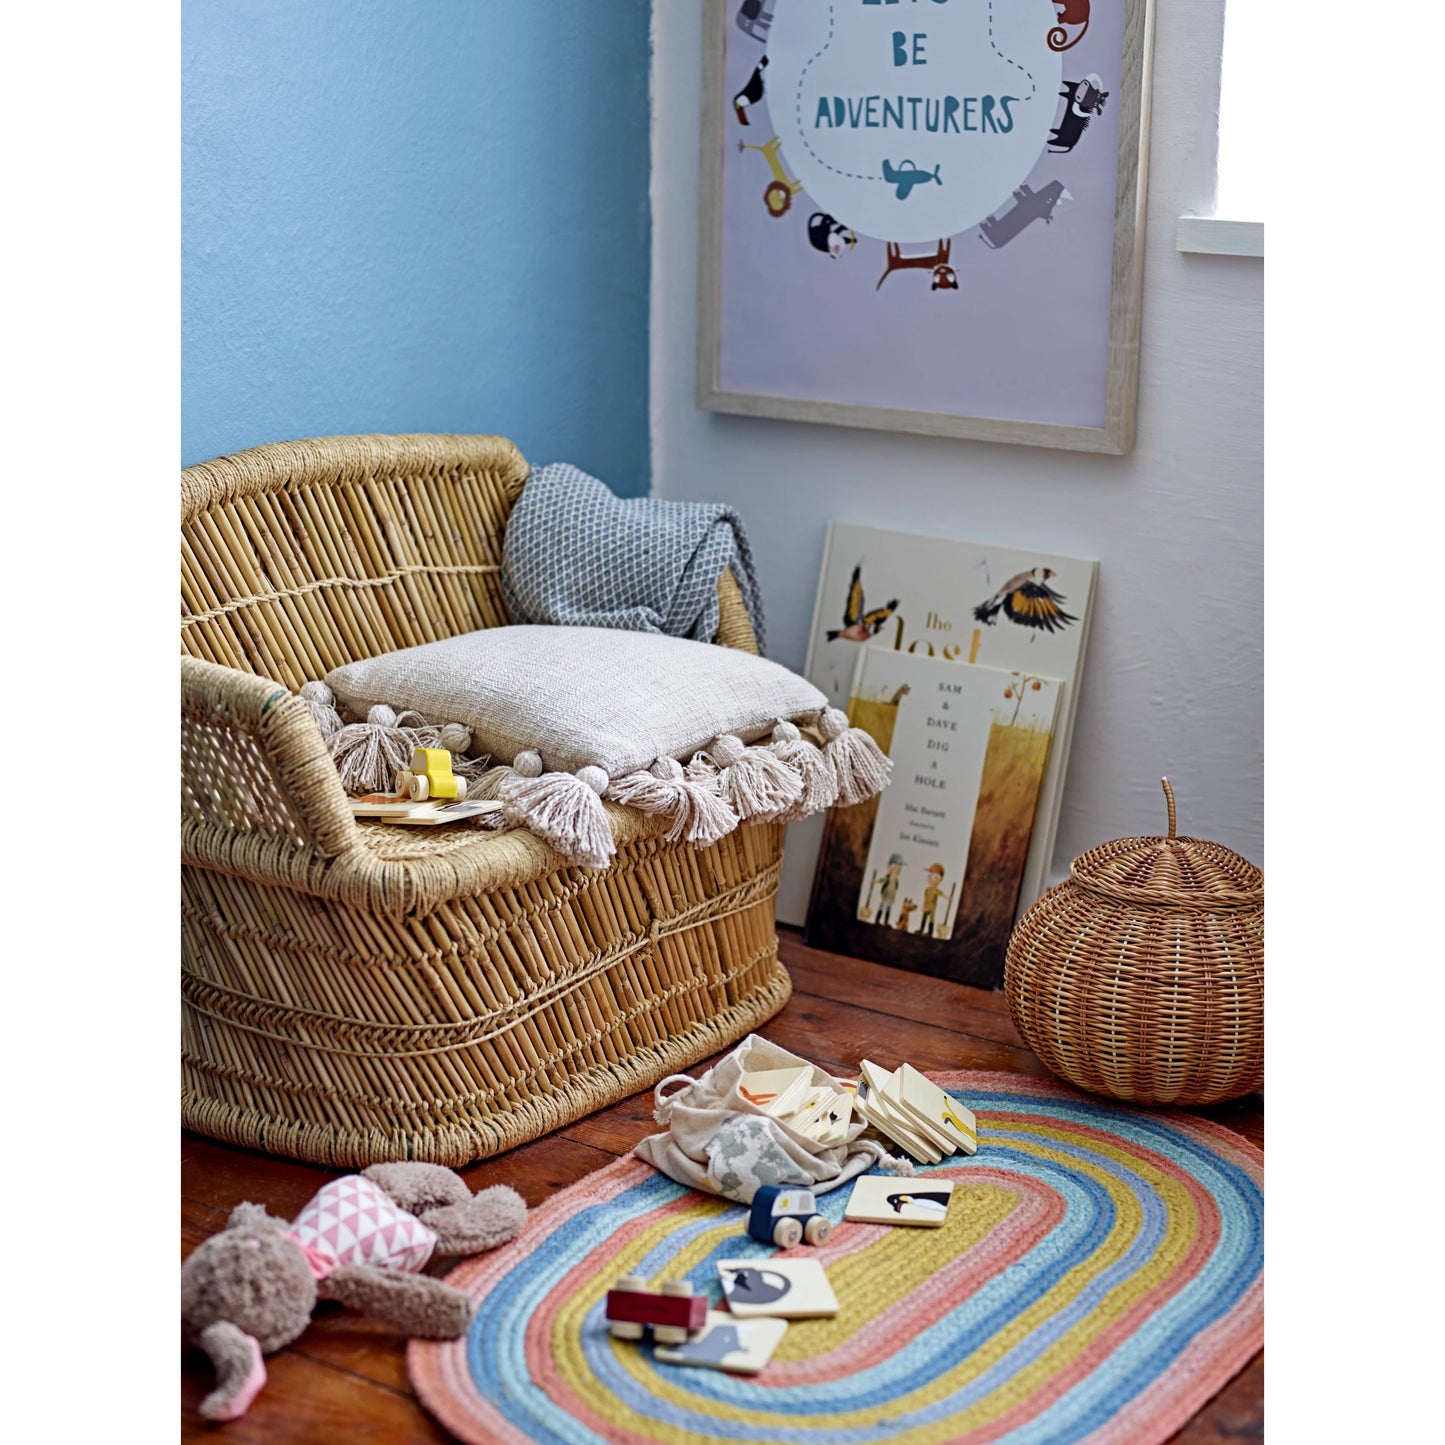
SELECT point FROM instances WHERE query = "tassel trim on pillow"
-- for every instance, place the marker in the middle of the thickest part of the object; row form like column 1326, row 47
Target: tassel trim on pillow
column 755, row 781
column 564, row 810
column 814, row 768
column 694, row 807
column 368, row 755
column 861, row 766
column 785, row 777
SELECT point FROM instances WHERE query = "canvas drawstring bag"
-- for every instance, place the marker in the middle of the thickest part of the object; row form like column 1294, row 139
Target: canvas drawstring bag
column 722, row 1143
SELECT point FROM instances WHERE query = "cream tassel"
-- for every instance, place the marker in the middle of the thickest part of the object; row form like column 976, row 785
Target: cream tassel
column 704, row 771
column 490, row 785
column 757, row 784
column 563, row 810
column 695, row 808
column 369, row 755
column 863, row 768
column 818, row 776
column 321, row 703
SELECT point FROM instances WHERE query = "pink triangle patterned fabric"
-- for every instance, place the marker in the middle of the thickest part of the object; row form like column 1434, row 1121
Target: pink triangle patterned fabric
column 351, row 1221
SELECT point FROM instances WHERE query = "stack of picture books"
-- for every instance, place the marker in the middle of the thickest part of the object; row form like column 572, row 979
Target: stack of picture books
column 816, row 1111
column 962, row 661
column 914, row 1113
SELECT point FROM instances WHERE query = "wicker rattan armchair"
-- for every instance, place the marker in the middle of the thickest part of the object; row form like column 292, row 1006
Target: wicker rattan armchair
column 353, row 991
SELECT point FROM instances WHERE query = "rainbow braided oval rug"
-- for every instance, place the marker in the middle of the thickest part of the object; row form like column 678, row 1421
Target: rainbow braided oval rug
column 1098, row 1279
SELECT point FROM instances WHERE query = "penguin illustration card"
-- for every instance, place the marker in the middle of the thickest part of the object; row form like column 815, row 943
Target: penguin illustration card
column 924, row 1101
column 739, row 1346
column 883, row 1199
column 792, row 1289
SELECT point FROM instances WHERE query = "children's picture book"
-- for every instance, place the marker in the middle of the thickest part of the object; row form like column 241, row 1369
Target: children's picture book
column 963, row 602
column 927, row 876
column 741, row 1347
column 880, row 1199
column 790, row 1289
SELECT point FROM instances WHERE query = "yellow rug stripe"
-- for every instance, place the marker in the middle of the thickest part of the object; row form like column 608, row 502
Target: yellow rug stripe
column 1126, row 1226
column 1128, row 1218
column 1179, row 1233
column 875, row 1279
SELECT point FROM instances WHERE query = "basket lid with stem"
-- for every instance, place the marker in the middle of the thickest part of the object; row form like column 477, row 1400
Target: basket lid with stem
column 1170, row 872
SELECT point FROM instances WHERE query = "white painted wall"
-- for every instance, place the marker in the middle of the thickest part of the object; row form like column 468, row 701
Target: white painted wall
column 1173, row 679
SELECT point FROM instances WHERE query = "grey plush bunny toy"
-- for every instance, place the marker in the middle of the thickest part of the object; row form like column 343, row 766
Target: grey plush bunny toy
column 249, row 1290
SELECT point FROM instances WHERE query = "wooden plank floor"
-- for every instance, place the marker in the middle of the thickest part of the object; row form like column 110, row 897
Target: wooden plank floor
column 345, row 1379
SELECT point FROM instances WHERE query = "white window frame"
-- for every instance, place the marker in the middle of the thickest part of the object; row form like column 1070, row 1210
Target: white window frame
column 1237, row 226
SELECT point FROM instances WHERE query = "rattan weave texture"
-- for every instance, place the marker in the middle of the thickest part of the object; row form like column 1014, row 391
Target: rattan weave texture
column 1142, row 976
column 354, row 992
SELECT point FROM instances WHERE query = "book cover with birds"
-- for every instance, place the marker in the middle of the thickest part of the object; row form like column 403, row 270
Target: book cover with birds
column 926, row 876
column 963, row 602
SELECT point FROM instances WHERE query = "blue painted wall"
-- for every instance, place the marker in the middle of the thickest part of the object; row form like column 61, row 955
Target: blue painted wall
column 417, row 215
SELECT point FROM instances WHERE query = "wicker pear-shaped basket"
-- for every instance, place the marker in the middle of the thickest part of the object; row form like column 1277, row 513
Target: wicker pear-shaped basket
column 1142, row 976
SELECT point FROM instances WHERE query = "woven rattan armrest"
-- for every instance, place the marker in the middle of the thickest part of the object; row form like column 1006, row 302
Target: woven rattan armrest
column 254, row 764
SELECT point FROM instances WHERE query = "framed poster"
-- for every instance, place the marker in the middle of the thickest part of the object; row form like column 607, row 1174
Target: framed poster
column 926, row 215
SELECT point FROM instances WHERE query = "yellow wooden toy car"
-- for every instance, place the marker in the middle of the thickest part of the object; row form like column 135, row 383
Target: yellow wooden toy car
column 430, row 776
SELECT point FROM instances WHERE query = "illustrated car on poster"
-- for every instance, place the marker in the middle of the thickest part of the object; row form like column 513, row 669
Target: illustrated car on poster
column 786, row 1215
column 754, row 19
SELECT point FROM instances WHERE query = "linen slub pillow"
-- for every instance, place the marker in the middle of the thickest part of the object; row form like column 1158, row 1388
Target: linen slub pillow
column 581, row 712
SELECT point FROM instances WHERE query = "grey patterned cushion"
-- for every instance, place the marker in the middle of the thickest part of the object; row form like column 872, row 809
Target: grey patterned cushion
column 582, row 695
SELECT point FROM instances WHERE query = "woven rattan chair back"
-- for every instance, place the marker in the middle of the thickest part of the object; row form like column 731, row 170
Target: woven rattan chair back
column 301, row 556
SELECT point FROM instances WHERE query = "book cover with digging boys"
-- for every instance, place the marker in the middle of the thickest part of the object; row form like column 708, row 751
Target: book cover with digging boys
column 927, row 875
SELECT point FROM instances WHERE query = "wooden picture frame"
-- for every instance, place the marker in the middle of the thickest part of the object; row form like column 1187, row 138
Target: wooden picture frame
column 1115, row 433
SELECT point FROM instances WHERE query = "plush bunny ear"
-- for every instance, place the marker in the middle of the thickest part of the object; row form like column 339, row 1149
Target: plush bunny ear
column 240, row 1370
column 253, row 1216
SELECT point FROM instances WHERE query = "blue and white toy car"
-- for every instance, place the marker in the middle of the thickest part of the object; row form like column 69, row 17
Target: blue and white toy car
column 786, row 1215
